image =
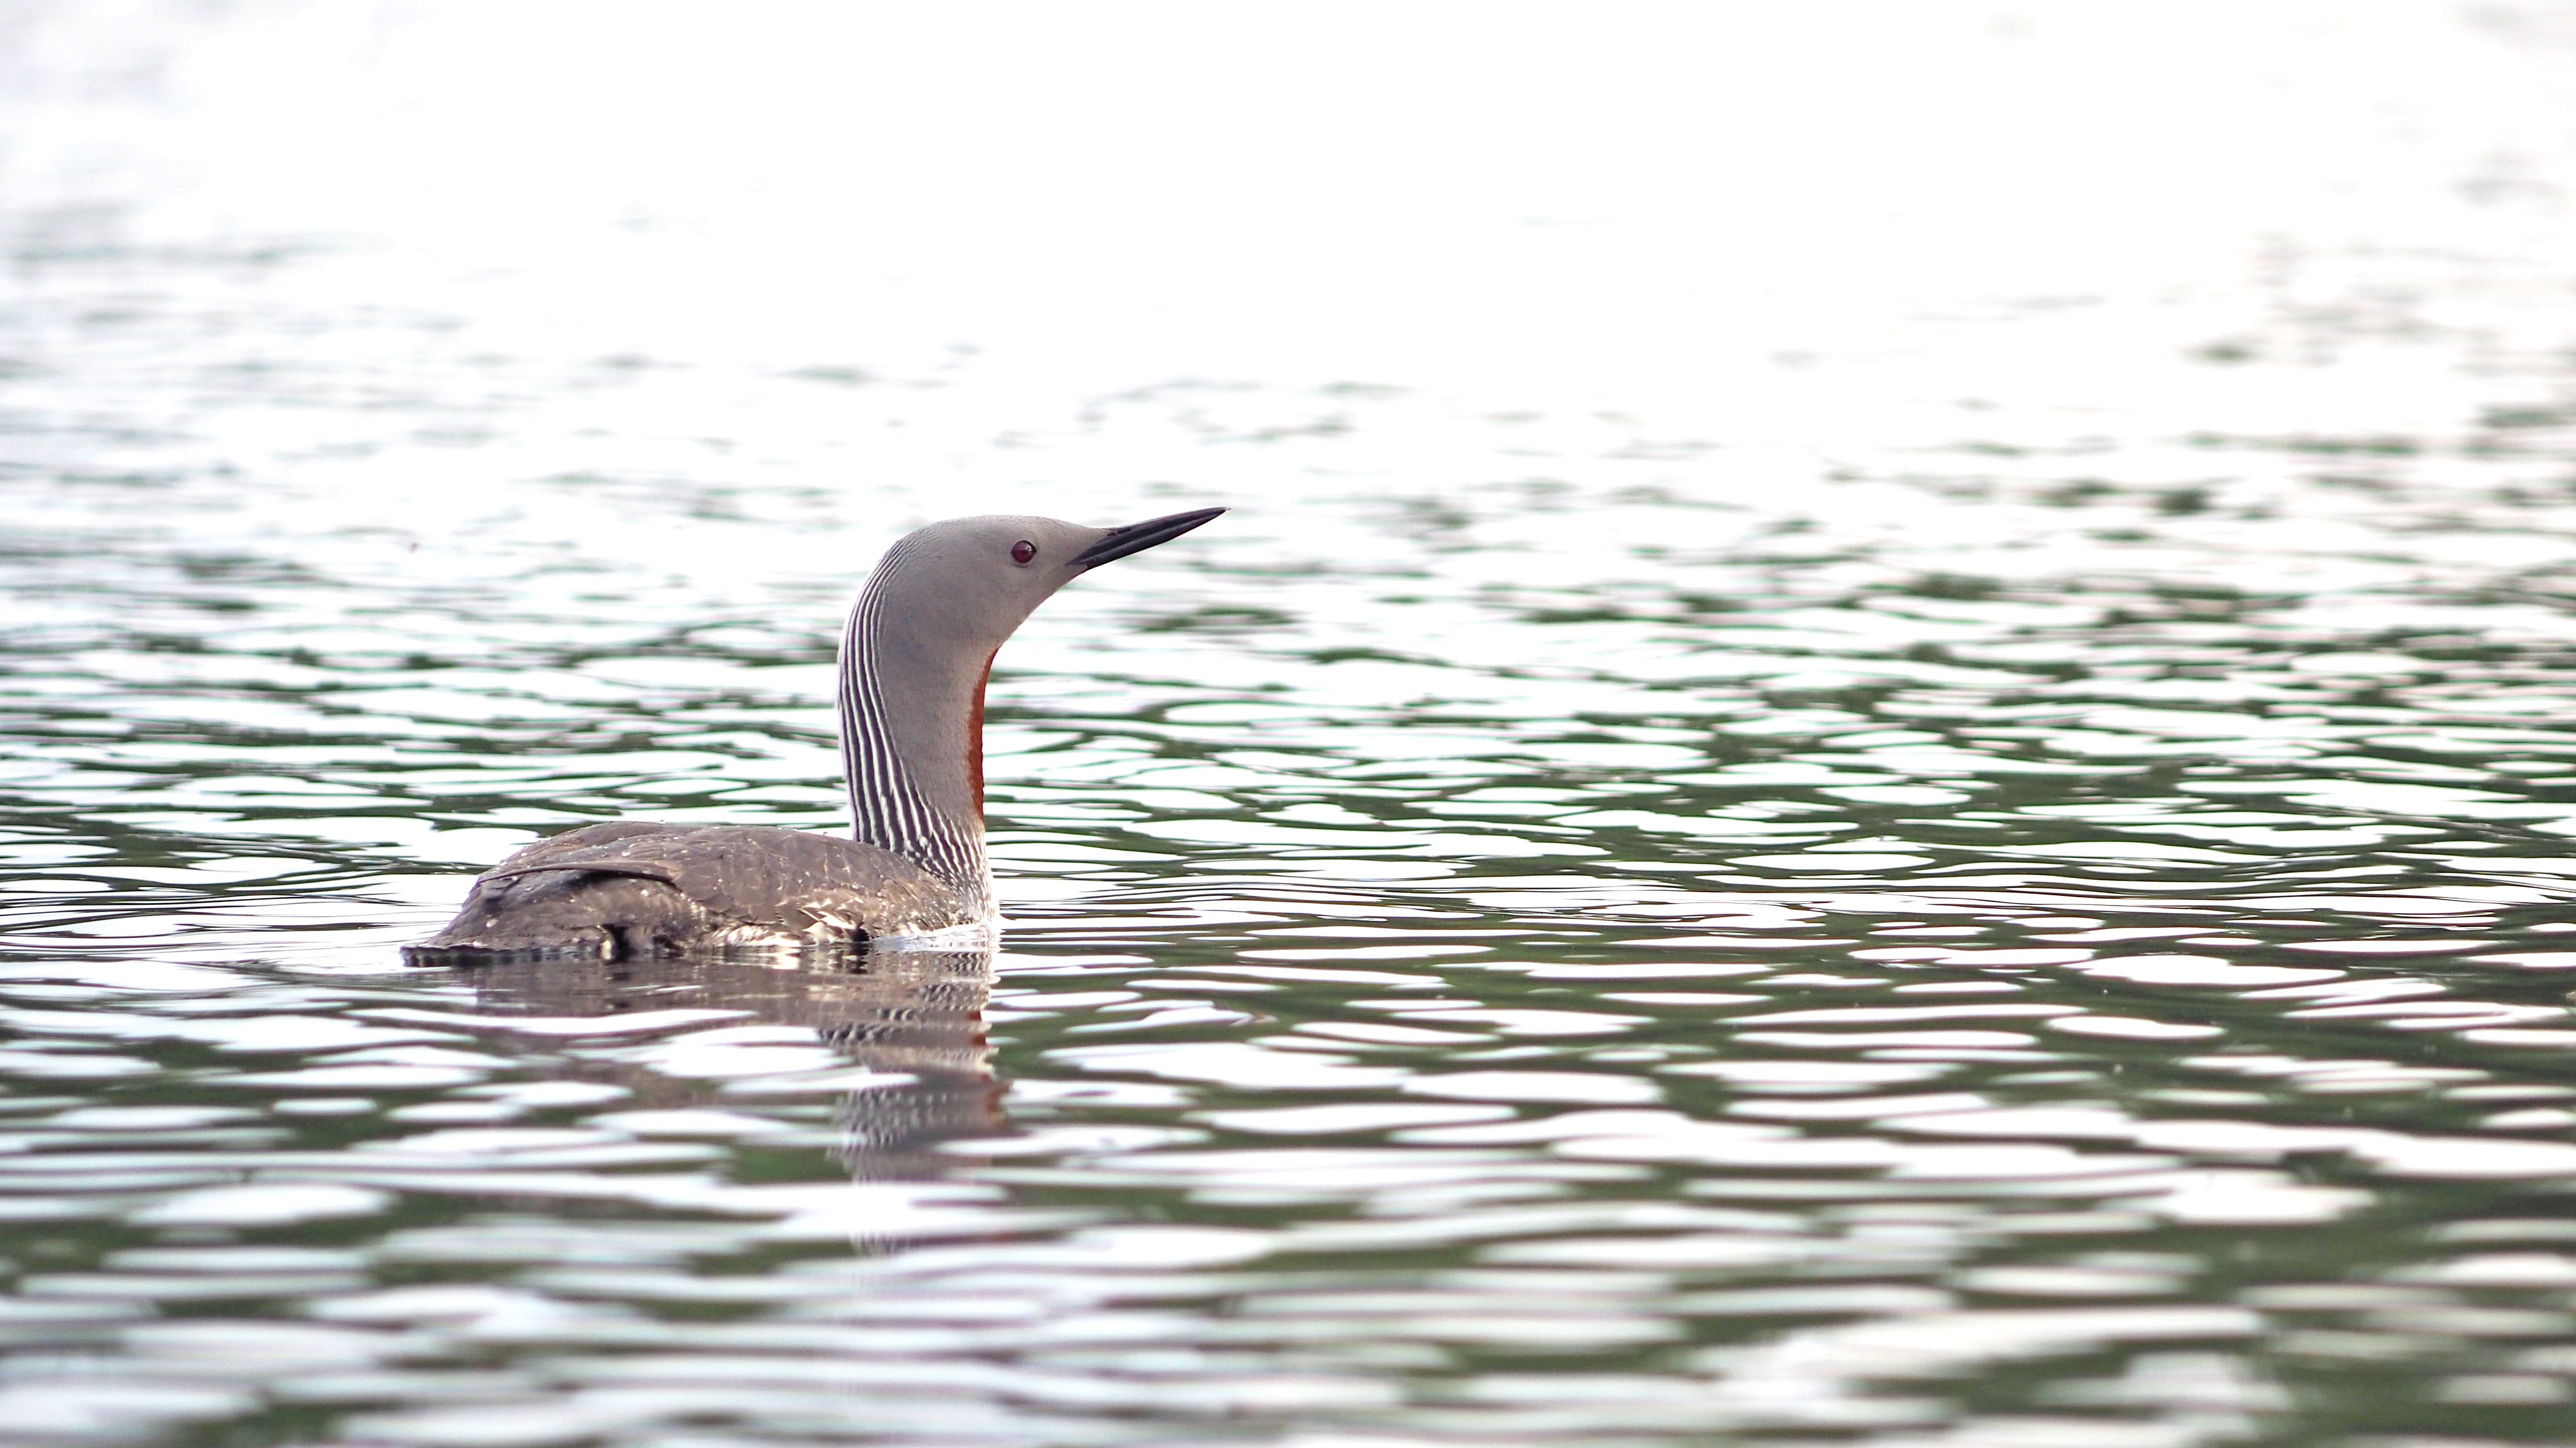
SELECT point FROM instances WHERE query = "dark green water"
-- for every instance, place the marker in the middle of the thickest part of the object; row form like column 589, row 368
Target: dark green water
column 2007, row 885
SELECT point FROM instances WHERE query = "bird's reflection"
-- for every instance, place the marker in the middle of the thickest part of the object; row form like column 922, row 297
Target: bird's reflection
column 915, row 1012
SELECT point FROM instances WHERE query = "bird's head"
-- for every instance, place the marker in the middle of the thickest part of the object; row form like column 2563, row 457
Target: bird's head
column 962, row 587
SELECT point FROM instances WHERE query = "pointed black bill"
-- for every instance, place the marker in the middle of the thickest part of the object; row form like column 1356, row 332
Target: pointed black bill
column 1137, row 537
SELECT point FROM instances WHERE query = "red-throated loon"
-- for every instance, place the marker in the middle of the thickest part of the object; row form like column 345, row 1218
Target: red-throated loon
column 914, row 661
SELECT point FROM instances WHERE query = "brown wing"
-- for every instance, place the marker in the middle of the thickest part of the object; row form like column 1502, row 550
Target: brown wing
column 634, row 887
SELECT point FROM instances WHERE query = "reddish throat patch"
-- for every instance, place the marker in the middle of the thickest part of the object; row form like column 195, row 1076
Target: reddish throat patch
column 975, row 735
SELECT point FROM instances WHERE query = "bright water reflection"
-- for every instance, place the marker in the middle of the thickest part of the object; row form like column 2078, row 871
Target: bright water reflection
column 1998, row 875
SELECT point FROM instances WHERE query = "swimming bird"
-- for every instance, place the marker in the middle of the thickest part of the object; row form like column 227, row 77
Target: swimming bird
column 914, row 660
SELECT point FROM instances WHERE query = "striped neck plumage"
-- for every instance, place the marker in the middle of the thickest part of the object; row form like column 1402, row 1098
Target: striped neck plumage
column 912, row 749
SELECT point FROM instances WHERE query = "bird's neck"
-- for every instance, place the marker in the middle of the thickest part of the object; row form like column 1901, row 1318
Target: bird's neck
column 912, row 746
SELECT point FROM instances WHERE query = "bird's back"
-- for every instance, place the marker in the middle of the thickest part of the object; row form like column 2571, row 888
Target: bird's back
column 636, row 888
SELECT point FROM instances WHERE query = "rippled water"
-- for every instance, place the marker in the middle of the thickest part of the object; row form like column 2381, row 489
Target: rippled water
column 1970, row 848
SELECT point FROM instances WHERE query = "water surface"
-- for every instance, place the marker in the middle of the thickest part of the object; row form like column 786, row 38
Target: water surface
column 1926, row 808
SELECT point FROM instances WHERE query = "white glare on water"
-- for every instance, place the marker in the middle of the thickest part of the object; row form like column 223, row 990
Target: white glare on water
column 1727, row 218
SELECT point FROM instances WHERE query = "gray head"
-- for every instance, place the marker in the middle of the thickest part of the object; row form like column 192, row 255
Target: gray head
column 960, row 588
column 920, row 644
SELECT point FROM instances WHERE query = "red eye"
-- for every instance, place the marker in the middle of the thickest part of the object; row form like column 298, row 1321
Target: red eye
column 1023, row 551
